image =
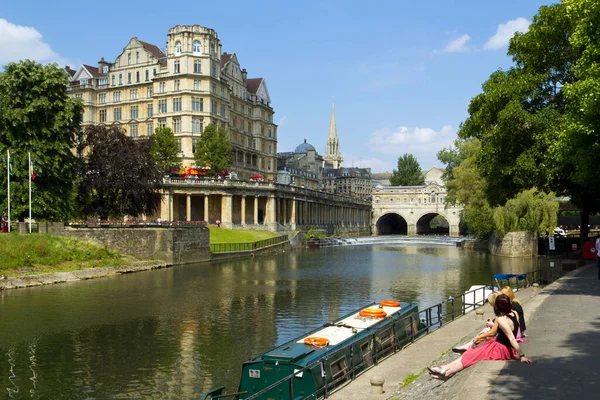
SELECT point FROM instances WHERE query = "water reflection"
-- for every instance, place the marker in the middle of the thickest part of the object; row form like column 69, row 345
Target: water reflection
column 174, row 333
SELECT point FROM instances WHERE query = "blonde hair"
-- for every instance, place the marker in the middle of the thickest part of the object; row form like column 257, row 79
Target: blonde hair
column 507, row 290
column 492, row 298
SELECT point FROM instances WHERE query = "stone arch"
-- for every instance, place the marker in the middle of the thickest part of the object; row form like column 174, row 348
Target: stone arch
column 424, row 227
column 391, row 224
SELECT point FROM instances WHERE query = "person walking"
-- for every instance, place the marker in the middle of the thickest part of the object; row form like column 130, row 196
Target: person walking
column 4, row 222
column 598, row 256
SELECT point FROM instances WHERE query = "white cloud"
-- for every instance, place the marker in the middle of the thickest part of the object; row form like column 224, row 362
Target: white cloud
column 505, row 32
column 457, row 45
column 282, row 121
column 423, row 143
column 23, row 42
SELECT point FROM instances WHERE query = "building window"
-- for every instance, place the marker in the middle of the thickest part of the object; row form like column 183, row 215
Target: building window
column 128, row 58
column 213, row 106
column 161, row 87
column 162, row 106
column 214, row 70
column 113, row 80
column 196, row 47
column 162, row 123
column 133, row 130
column 116, row 96
column 196, row 125
column 133, row 94
column 133, row 110
column 222, row 91
column 147, row 75
column 176, row 67
column 270, row 148
column 269, row 164
column 129, row 77
column 149, row 129
column 177, row 104
column 150, row 109
column 177, row 125
column 270, row 132
column 102, row 98
column 214, row 88
column 102, row 115
column 197, row 104
column 149, row 92
column 197, row 84
column 197, row 66
column 105, row 69
column 222, row 110
column 117, row 114
column 137, row 76
column 194, row 142
column 176, row 84
column 137, row 57
column 179, row 145
column 178, row 48
column 120, row 79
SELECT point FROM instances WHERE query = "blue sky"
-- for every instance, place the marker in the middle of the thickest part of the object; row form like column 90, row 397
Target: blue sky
column 401, row 73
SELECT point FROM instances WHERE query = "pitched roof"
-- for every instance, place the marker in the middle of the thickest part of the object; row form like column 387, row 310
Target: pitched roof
column 253, row 84
column 94, row 71
column 70, row 71
column 225, row 58
column 152, row 49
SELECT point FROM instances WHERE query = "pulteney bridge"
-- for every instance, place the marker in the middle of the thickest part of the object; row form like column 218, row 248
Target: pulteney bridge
column 409, row 210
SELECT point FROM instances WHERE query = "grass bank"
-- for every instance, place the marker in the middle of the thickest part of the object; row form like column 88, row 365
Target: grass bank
column 222, row 235
column 37, row 254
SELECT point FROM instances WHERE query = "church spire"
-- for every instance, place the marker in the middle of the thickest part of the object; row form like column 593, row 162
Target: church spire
column 332, row 151
column 332, row 127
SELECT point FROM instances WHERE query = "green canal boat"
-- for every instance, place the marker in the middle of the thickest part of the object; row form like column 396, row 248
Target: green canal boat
column 313, row 364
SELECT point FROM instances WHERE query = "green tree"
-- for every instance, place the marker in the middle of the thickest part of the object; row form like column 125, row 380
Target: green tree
column 164, row 149
column 214, row 149
column 119, row 177
column 409, row 172
column 37, row 116
column 578, row 144
column 531, row 211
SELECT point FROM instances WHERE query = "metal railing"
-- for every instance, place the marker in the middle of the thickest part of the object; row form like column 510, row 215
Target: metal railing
column 247, row 246
column 429, row 320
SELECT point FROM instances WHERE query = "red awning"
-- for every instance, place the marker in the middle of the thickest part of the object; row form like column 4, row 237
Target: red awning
column 256, row 176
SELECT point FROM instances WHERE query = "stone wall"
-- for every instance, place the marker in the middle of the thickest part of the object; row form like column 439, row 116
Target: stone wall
column 174, row 246
column 513, row 244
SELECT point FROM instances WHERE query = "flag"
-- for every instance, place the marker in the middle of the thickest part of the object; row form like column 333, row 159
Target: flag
column 9, row 163
column 32, row 172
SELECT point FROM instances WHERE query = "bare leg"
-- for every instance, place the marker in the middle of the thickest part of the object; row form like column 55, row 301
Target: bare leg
column 453, row 367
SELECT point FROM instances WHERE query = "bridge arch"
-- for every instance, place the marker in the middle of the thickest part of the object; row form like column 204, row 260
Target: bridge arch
column 433, row 223
column 391, row 224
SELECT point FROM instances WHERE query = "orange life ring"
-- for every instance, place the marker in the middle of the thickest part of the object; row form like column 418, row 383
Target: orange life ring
column 372, row 312
column 389, row 303
column 316, row 341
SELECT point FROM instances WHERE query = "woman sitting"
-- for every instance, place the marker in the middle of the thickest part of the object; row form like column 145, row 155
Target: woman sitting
column 502, row 347
column 489, row 332
column 516, row 305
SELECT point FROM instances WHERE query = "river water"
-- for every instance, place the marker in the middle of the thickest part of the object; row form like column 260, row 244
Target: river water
column 174, row 333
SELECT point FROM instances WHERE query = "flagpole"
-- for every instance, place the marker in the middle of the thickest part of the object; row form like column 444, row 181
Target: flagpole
column 8, row 173
column 29, row 192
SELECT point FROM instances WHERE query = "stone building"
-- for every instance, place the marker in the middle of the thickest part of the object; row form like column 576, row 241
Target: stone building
column 186, row 87
column 354, row 182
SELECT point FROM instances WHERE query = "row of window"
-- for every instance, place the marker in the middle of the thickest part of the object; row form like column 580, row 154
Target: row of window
column 433, row 199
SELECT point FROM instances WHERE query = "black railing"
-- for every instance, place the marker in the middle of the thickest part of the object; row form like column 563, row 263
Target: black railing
column 247, row 246
column 430, row 319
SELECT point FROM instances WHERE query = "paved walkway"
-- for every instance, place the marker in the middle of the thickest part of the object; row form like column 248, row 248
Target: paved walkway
column 563, row 322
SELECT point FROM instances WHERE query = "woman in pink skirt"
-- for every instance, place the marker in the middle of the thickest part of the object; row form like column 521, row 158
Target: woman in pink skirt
column 503, row 347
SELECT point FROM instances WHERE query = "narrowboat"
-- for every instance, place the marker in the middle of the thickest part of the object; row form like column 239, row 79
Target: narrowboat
column 310, row 365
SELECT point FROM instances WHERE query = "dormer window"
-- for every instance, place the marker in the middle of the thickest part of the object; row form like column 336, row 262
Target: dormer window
column 105, row 69
column 83, row 81
column 178, row 48
column 197, row 48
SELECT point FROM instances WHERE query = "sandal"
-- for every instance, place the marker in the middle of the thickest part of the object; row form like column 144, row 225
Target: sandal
column 437, row 373
column 458, row 350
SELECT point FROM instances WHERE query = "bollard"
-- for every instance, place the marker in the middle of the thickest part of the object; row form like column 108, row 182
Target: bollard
column 377, row 384
column 536, row 286
column 479, row 313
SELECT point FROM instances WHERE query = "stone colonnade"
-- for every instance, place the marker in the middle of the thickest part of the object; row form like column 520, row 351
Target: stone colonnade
column 245, row 211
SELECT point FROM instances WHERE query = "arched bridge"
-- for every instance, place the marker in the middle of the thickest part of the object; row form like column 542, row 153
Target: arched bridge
column 413, row 210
